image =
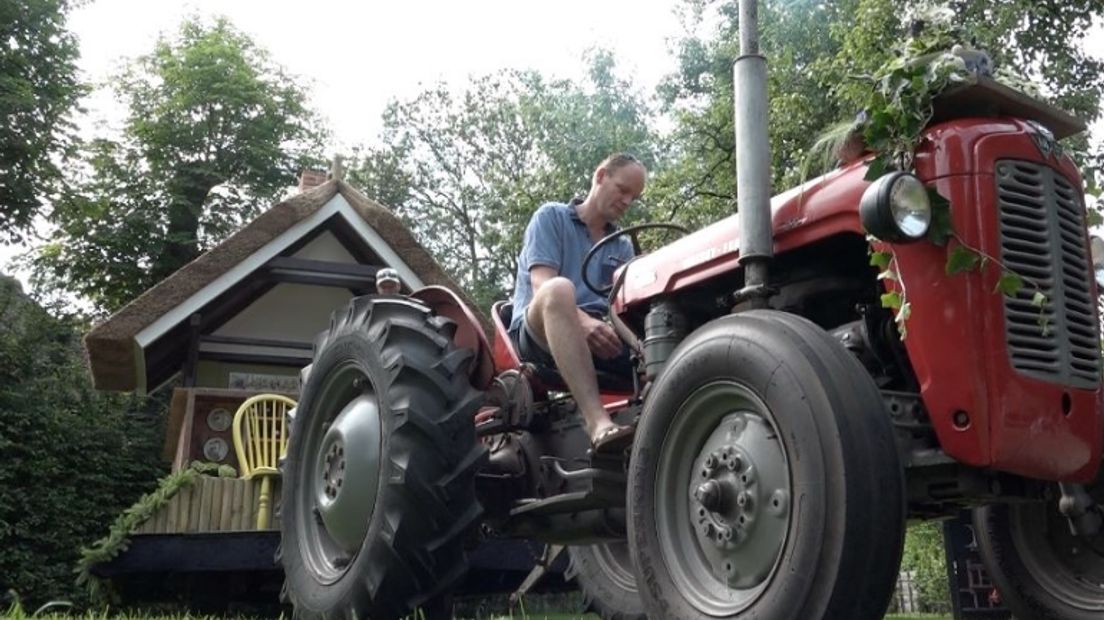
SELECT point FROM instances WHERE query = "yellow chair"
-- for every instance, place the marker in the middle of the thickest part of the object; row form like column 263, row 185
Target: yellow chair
column 260, row 439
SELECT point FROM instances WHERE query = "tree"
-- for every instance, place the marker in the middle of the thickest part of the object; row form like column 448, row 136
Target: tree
column 215, row 131
column 926, row 558
column 819, row 55
column 38, row 88
column 700, row 183
column 465, row 170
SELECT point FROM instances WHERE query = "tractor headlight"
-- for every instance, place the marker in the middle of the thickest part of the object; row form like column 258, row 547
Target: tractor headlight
column 1096, row 245
column 896, row 208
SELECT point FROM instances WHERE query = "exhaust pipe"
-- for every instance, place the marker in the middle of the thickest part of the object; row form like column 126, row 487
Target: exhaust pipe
column 753, row 176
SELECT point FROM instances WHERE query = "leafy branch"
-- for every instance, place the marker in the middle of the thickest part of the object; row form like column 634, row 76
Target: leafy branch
column 964, row 258
column 898, row 108
column 886, row 262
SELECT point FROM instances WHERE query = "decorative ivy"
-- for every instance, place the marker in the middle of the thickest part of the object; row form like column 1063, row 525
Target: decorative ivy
column 898, row 109
column 118, row 537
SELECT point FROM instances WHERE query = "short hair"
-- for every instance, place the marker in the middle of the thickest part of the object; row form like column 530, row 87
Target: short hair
column 616, row 161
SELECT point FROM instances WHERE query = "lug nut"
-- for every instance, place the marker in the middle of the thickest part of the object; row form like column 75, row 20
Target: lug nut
column 709, row 494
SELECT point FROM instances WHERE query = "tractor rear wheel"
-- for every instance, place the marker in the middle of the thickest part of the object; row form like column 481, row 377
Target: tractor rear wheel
column 765, row 480
column 1042, row 569
column 379, row 494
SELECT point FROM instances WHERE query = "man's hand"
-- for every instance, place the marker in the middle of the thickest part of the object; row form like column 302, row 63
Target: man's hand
column 601, row 339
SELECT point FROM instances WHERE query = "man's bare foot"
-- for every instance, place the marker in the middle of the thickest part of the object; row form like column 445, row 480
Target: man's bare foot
column 613, row 439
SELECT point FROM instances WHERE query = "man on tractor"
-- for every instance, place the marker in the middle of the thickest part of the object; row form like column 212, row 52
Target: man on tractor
column 556, row 319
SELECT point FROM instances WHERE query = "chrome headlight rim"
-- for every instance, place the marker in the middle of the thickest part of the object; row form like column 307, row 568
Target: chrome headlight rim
column 1096, row 258
column 880, row 209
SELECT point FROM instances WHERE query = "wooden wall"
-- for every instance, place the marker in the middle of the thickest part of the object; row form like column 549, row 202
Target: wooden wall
column 213, row 505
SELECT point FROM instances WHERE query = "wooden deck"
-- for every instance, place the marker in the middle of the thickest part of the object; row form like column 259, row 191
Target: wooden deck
column 213, row 505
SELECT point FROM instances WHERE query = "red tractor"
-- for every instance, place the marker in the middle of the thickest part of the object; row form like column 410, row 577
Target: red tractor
column 785, row 431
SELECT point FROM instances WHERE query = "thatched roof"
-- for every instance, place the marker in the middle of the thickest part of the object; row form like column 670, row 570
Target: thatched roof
column 118, row 348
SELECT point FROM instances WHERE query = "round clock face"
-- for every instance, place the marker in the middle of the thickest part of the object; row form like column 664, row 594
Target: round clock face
column 215, row 449
column 219, row 420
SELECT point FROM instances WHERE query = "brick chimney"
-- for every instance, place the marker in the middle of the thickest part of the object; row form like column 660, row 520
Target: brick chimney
column 311, row 178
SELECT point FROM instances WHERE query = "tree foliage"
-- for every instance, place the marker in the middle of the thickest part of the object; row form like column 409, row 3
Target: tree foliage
column 72, row 458
column 465, row 170
column 926, row 558
column 38, row 89
column 821, row 56
column 215, row 131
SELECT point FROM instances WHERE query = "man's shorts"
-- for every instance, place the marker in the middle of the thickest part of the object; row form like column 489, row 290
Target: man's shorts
column 530, row 350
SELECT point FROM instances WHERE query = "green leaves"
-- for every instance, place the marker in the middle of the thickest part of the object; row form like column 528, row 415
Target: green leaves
column 941, row 228
column 1009, row 284
column 466, row 168
column 877, row 168
column 207, row 108
column 962, row 259
column 1093, row 217
column 73, row 458
column 126, row 523
column 39, row 87
column 881, row 260
column 892, row 300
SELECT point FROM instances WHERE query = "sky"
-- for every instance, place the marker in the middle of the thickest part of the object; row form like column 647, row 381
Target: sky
column 359, row 54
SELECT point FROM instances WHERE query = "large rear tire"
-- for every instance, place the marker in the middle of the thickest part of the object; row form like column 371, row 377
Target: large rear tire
column 607, row 581
column 1041, row 569
column 379, row 494
column 765, row 480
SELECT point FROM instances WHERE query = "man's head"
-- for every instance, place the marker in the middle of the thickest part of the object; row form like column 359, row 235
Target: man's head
column 617, row 182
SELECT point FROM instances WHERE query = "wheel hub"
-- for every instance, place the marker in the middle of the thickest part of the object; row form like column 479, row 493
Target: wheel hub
column 333, row 474
column 740, row 515
column 346, row 481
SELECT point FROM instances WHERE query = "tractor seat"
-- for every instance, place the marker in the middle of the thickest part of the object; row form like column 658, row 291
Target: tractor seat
column 549, row 376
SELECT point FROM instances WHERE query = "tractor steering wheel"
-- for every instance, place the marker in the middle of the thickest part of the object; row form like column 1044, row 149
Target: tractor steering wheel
column 604, row 291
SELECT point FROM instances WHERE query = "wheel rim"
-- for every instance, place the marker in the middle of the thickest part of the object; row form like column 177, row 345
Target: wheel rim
column 723, row 515
column 615, row 562
column 336, row 488
column 1068, row 566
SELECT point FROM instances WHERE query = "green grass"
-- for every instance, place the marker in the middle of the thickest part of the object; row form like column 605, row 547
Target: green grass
column 56, row 612
column 20, row 615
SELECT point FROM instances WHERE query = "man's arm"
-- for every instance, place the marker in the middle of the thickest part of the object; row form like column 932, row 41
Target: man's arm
column 601, row 339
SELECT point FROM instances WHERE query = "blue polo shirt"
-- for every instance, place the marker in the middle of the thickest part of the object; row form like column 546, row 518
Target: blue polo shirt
column 557, row 238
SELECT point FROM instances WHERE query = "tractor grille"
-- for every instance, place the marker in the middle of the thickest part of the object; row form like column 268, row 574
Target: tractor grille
column 1042, row 228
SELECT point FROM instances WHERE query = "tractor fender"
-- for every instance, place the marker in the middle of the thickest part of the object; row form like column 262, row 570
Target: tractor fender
column 469, row 331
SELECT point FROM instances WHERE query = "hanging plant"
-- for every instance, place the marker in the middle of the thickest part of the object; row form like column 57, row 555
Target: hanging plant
column 898, row 108
column 118, row 537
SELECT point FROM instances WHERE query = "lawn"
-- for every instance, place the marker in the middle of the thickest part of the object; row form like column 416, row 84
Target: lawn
column 18, row 614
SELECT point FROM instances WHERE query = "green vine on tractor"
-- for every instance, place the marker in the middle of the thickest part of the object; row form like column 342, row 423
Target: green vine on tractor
column 898, row 108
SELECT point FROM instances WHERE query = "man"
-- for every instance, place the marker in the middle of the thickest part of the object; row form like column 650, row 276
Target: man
column 556, row 319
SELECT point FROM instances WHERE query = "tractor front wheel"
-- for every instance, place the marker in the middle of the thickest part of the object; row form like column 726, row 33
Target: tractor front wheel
column 764, row 480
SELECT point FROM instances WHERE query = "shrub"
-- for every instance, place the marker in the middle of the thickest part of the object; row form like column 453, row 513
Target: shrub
column 71, row 458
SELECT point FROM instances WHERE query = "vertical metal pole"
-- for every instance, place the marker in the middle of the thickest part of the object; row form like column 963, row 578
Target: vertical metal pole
column 753, row 174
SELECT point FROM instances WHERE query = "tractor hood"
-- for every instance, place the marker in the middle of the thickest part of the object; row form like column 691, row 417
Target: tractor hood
column 817, row 209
